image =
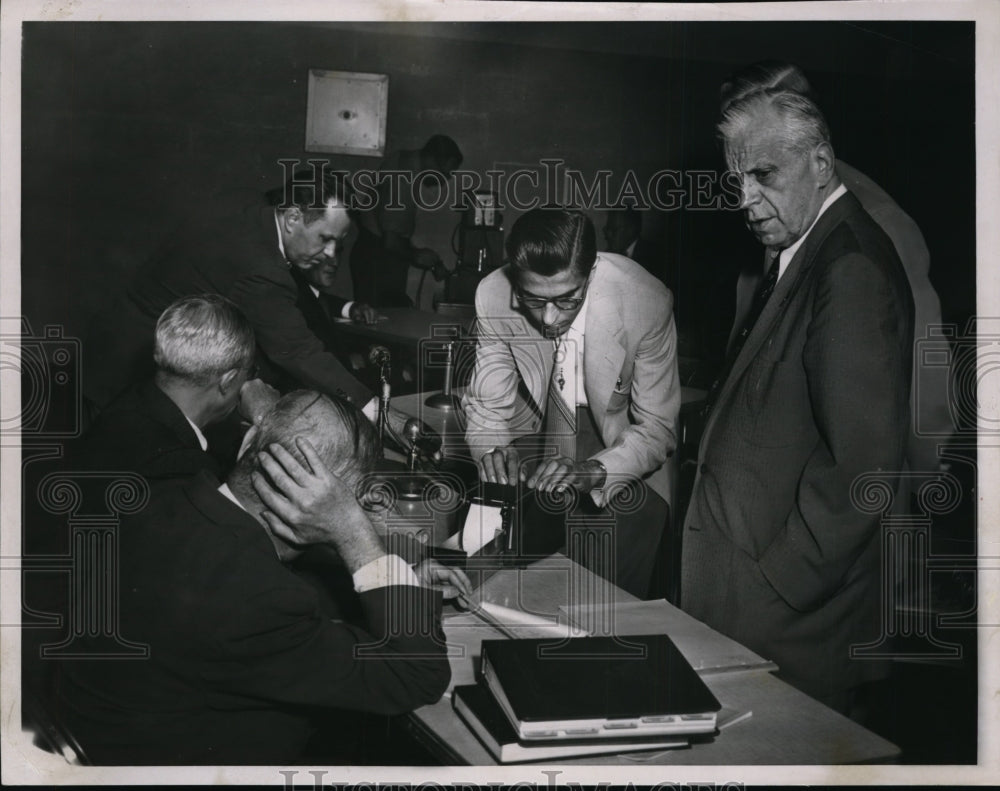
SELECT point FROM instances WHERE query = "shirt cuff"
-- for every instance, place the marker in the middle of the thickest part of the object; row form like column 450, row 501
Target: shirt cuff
column 345, row 312
column 370, row 409
column 382, row 572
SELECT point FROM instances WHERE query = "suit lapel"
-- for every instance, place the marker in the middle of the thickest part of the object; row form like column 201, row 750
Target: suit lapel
column 787, row 286
column 604, row 347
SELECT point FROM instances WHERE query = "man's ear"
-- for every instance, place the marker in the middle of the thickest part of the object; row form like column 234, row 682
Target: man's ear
column 291, row 217
column 825, row 163
column 228, row 380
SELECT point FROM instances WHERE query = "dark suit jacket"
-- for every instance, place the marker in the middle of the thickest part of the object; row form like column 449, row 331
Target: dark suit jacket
column 241, row 656
column 143, row 431
column 775, row 552
column 236, row 256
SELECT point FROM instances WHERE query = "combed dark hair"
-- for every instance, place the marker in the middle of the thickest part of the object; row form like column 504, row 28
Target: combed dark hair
column 334, row 426
column 198, row 338
column 312, row 191
column 804, row 124
column 762, row 75
column 550, row 240
column 442, row 148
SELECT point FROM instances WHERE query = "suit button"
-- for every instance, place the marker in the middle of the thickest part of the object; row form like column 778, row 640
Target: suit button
column 704, row 469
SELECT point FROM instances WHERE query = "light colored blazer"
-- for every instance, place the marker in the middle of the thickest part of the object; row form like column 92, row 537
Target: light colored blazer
column 630, row 371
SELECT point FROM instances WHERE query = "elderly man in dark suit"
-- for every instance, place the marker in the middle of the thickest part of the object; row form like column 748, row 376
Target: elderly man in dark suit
column 929, row 390
column 815, row 394
column 244, row 660
column 204, row 356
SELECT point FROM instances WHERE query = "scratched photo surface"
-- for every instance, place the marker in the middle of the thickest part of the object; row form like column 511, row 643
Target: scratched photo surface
column 135, row 142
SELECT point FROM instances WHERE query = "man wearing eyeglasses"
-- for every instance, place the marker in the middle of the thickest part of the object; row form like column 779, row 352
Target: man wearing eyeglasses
column 590, row 341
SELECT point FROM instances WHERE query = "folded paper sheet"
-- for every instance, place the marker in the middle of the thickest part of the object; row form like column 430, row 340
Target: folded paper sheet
column 481, row 526
column 706, row 650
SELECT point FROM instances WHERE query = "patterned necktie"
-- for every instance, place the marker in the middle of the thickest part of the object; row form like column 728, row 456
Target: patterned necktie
column 756, row 308
column 560, row 418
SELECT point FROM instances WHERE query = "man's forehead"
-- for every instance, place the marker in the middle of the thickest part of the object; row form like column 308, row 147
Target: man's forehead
column 335, row 219
column 756, row 148
column 761, row 138
column 557, row 284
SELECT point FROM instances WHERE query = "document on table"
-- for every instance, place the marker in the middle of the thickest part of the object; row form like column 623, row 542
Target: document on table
column 708, row 651
column 482, row 524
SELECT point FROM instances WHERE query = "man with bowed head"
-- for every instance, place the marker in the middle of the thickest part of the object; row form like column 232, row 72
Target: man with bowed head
column 244, row 661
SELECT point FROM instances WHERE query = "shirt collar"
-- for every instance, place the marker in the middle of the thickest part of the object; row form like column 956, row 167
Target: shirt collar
column 281, row 245
column 631, row 248
column 226, row 492
column 580, row 322
column 197, row 432
column 786, row 255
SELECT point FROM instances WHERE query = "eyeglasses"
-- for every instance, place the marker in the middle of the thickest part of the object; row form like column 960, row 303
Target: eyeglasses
column 534, row 302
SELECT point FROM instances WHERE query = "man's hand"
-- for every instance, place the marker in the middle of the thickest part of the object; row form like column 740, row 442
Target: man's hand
column 310, row 505
column 452, row 582
column 557, row 474
column 501, row 465
column 256, row 400
column 361, row 313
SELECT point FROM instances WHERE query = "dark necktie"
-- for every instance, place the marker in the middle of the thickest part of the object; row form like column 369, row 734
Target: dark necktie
column 756, row 308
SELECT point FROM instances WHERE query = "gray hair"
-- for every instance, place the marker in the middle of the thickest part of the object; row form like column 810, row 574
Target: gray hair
column 199, row 338
column 761, row 75
column 804, row 126
column 336, row 428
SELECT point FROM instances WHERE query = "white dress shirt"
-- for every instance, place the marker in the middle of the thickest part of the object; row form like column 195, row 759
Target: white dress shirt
column 197, row 432
column 379, row 573
column 345, row 312
column 574, row 391
column 786, row 255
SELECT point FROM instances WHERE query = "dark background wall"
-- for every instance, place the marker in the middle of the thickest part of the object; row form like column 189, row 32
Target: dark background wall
column 128, row 128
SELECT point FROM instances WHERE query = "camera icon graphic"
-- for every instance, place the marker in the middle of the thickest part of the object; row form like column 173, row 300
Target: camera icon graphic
column 956, row 369
column 48, row 369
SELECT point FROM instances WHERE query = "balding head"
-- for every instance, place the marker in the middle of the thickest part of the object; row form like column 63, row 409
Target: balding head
column 342, row 436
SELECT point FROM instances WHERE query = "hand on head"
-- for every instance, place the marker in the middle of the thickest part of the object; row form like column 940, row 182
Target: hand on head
column 310, row 504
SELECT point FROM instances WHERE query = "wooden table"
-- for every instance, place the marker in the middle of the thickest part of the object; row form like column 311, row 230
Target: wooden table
column 785, row 727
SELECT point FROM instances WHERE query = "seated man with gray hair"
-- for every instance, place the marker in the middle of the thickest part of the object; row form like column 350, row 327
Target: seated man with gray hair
column 244, row 662
column 204, row 352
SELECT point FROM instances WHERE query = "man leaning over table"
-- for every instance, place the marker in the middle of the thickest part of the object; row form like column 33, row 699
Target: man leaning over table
column 590, row 338
column 247, row 255
column 244, row 661
column 815, row 394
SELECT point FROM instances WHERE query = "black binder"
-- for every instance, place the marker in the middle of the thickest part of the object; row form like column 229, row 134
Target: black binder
column 597, row 687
